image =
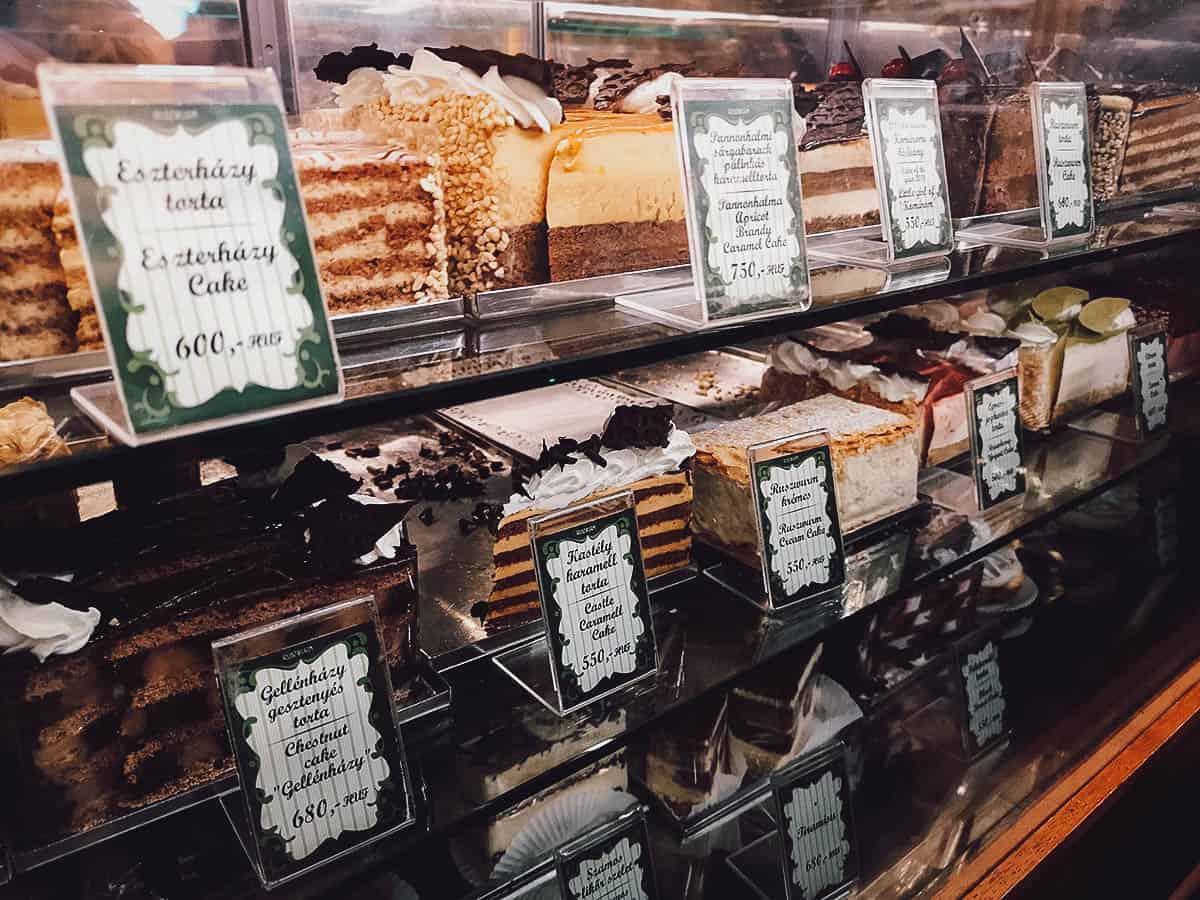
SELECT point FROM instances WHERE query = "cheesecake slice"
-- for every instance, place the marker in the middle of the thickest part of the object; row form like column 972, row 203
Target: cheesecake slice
column 614, row 199
column 875, row 453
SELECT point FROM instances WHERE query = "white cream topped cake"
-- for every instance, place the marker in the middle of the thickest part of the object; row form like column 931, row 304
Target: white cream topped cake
column 875, row 452
column 1074, row 353
column 640, row 450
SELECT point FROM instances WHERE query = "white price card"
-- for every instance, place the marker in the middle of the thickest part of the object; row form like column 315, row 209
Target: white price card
column 997, row 438
column 737, row 139
column 595, row 602
column 313, row 728
column 1062, row 144
column 792, row 485
column 193, row 231
column 910, row 168
column 818, row 846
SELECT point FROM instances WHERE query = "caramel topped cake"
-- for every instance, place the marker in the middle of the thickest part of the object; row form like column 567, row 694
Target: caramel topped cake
column 640, row 450
column 615, row 196
column 875, row 460
column 123, row 709
column 377, row 220
column 35, row 319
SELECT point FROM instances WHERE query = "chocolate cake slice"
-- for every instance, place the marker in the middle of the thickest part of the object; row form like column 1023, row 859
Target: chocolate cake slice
column 127, row 714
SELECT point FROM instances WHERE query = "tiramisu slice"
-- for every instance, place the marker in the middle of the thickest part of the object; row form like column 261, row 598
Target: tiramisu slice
column 640, row 450
column 875, row 460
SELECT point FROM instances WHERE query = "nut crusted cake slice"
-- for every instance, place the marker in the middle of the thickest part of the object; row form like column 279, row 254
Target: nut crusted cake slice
column 875, row 461
column 640, row 450
column 377, row 221
column 35, row 319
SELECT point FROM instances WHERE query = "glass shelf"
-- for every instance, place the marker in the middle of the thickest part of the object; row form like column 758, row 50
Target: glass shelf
column 503, row 748
column 400, row 373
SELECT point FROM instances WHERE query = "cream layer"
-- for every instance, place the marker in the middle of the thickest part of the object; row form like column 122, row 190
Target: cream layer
column 623, row 171
column 855, row 154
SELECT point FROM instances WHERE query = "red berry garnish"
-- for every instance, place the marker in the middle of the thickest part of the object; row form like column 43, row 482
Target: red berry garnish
column 842, row 71
column 895, row 68
column 955, row 70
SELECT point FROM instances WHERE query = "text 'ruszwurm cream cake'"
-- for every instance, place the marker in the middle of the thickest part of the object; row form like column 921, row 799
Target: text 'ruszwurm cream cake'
column 875, row 454
column 640, row 450
column 377, row 220
column 35, row 319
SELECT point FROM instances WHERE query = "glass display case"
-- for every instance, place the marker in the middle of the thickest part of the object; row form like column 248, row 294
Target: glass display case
column 498, row 219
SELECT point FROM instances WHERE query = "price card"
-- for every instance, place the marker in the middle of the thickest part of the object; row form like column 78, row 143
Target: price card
column 609, row 863
column 983, row 696
column 910, row 167
column 198, row 256
column 997, row 438
column 1151, row 383
column 595, row 603
column 819, row 848
column 1063, row 147
column 308, row 702
column 795, row 505
column 737, row 137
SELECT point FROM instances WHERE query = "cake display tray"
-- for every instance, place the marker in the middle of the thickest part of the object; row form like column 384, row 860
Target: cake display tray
column 578, row 410
column 724, row 385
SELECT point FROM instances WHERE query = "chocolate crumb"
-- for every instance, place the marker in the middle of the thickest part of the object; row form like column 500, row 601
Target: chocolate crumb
column 426, row 516
column 334, row 445
column 480, row 609
column 466, row 526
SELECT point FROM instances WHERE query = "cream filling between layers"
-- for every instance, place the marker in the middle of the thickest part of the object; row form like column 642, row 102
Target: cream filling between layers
column 855, row 154
column 796, row 358
column 843, row 205
column 622, row 175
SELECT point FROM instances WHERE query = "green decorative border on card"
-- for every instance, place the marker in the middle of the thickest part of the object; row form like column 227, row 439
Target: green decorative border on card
column 1069, row 230
column 142, row 379
column 393, row 803
column 837, row 559
column 977, row 458
column 545, row 548
column 699, row 114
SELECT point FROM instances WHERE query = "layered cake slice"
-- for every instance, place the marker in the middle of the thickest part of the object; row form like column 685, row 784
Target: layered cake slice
column 614, row 199
column 876, row 455
column 497, row 125
column 640, row 450
column 686, row 761
column 1163, row 147
column 79, row 290
column 377, row 220
column 771, row 711
column 124, row 710
column 898, row 364
column 35, row 319
column 837, row 175
column 1074, row 353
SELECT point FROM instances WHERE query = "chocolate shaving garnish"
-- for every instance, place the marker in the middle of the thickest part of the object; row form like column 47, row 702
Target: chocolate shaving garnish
column 341, row 530
column 898, row 325
column 928, row 65
column 519, row 65
column 426, row 516
column 638, row 426
column 334, row 445
column 313, row 479
column 618, row 86
column 838, row 115
column 336, row 67
column 466, row 526
column 664, row 107
column 479, row 610
column 571, row 83
column 970, row 53
column 996, row 347
column 858, row 70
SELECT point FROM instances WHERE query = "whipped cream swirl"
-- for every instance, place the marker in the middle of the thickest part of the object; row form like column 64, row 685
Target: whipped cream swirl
column 44, row 629
column 967, row 353
column 430, row 77
column 1034, row 333
column 644, row 97
column 560, row 486
column 797, row 359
